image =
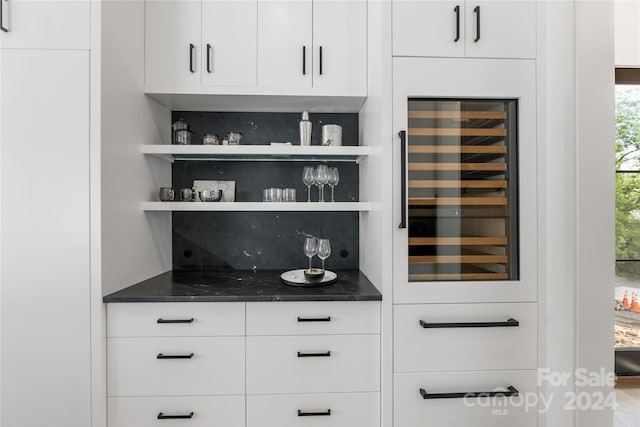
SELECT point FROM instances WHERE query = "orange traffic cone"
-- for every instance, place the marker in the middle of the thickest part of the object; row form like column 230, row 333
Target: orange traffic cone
column 634, row 302
column 625, row 300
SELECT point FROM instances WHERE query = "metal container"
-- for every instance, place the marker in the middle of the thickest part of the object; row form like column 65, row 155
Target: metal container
column 332, row 135
column 305, row 129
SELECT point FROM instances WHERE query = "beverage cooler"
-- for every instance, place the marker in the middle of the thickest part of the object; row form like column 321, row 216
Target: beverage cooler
column 464, row 180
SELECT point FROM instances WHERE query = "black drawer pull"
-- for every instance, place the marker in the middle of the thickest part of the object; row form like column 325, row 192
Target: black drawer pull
column 175, row 320
column 314, row 319
column 314, row 414
column 477, row 12
column 508, row 323
column 327, row 354
column 191, row 48
column 162, row 416
column 510, row 391
column 174, row 356
column 456, row 10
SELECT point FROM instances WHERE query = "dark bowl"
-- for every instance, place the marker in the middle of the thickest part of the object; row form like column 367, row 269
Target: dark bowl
column 314, row 275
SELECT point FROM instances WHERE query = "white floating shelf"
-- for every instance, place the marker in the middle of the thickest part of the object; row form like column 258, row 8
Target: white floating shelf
column 257, row 206
column 257, row 152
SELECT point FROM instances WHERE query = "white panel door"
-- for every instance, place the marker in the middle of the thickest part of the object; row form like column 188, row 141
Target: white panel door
column 504, row 29
column 42, row 24
column 428, row 28
column 229, row 43
column 340, row 44
column 490, row 79
column 44, row 235
column 285, row 44
column 172, row 49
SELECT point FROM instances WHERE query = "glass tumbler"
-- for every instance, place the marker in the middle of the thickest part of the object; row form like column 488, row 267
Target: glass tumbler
column 289, row 195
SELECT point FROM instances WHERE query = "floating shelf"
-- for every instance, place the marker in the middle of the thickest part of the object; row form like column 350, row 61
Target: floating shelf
column 258, row 152
column 257, row 206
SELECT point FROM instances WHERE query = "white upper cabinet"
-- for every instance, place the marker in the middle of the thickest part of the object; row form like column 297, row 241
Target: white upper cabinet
column 45, row 24
column 340, row 44
column 229, row 43
column 172, row 36
column 487, row 29
column 285, row 44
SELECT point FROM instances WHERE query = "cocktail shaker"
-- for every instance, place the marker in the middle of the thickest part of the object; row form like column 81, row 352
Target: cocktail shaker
column 305, row 129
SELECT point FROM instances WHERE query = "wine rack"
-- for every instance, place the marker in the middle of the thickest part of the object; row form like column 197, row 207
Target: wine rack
column 462, row 189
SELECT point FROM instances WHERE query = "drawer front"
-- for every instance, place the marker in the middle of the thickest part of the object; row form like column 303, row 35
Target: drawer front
column 295, row 364
column 171, row 319
column 135, row 369
column 453, row 348
column 326, row 409
column 208, row 411
column 313, row 318
column 412, row 410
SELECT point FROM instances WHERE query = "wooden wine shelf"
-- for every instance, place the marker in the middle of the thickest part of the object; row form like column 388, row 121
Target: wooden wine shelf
column 456, row 132
column 501, row 115
column 458, row 276
column 457, row 201
column 458, row 259
column 442, row 241
column 430, row 183
column 457, row 149
column 457, row 166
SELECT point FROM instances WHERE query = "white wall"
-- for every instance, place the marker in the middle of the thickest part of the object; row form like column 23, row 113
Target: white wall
column 135, row 245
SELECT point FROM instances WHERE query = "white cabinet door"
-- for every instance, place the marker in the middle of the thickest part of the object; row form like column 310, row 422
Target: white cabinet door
column 503, row 29
column 172, row 50
column 229, row 43
column 340, row 44
column 285, row 44
column 491, row 79
column 45, row 24
column 428, row 28
column 44, row 235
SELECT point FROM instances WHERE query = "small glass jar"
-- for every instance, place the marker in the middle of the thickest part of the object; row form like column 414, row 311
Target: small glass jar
column 234, row 138
column 210, row 139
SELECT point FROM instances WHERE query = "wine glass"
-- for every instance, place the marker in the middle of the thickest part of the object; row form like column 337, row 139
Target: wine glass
column 310, row 248
column 334, row 179
column 324, row 250
column 322, row 177
column 308, row 178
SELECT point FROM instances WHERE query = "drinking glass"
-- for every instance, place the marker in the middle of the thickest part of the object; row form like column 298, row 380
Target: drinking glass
column 322, row 177
column 308, row 178
column 324, row 250
column 334, row 179
column 310, row 248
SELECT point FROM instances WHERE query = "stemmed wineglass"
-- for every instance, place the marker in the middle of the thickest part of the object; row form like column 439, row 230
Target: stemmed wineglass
column 308, row 178
column 334, row 179
column 310, row 248
column 324, row 250
column 322, row 177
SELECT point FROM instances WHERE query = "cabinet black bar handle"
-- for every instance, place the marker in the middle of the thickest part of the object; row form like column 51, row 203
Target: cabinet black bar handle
column 2, row 27
column 510, row 391
column 162, row 416
column 403, row 179
column 509, row 322
column 304, row 60
column 320, row 60
column 314, row 414
column 208, row 58
column 191, row 47
column 175, row 320
column 457, row 12
column 314, row 319
column 477, row 12
column 174, row 356
column 327, row 354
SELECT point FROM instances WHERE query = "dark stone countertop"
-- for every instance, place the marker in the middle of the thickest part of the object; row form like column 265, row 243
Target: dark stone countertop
column 265, row 285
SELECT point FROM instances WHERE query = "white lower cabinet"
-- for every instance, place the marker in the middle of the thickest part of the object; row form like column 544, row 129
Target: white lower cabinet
column 309, row 364
column 193, row 411
column 319, row 409
column 443, row 399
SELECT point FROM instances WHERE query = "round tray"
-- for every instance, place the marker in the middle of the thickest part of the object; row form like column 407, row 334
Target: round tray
column 296, row 278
